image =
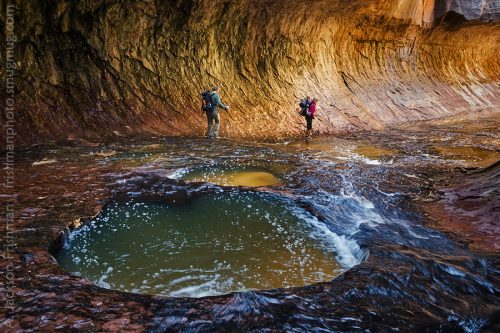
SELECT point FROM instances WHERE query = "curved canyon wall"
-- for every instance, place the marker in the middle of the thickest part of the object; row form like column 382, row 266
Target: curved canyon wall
column 97, row 68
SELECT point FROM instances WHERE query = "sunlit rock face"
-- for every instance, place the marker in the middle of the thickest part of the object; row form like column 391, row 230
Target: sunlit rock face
column 99, row 68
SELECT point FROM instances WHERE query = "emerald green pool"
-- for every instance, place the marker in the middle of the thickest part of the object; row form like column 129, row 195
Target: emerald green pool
column 215, row 244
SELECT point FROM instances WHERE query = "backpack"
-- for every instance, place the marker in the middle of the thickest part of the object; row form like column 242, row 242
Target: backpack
column 304, row 107
column 207, row 104
column 308, row 112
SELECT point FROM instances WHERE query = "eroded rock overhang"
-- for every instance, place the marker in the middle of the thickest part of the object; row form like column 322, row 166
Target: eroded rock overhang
column 101, row 68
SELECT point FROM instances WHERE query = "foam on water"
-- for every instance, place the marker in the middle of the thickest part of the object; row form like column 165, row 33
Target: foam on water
column 348, row 252
column 178, row 174
column 216, row 244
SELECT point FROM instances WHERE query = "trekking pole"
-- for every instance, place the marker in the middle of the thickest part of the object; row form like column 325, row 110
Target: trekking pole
column 229, row 112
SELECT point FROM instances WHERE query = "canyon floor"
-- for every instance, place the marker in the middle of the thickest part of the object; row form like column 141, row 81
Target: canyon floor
column 417, row 205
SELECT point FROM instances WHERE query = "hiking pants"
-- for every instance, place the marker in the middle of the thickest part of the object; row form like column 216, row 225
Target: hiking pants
column 309, row 123
column 213, row 124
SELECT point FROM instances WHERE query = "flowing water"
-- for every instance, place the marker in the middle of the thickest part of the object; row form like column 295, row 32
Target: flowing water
column 182, row 217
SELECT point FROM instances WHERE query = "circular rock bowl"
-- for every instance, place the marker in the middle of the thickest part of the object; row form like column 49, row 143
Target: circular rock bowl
column 247, row 176
column 213, row 244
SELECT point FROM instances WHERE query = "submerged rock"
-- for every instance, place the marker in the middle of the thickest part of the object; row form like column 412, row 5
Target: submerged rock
column 470, row 206
column 234, row 176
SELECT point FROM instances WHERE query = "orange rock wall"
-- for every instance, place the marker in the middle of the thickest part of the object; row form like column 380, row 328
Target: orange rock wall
column 100, row 68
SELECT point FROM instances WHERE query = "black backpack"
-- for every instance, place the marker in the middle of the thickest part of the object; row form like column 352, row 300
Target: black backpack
column 207, row 104
column 304, row 107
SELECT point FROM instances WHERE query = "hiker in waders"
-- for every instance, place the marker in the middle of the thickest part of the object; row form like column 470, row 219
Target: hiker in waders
column 310, row 112
column 211, row 101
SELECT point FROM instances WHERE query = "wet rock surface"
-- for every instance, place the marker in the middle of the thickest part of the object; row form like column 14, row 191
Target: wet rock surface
column 97, row 69
column 414, row 279
column 470, row 207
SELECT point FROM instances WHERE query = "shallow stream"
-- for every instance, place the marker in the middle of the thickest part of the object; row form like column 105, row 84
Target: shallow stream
column 334, row 222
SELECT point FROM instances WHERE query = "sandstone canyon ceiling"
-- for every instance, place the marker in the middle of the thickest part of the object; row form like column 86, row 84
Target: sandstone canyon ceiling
column 98, row 68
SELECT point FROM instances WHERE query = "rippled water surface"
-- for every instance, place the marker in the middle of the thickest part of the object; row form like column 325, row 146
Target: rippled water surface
column 213, row 245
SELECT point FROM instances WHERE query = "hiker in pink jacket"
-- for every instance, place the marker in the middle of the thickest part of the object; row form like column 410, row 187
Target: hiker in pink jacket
column 310, row 116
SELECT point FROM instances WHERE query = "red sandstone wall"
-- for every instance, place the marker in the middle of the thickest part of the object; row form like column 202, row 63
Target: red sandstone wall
column 89, row 68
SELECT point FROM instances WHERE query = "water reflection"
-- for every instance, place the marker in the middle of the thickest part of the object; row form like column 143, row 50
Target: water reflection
column 472, row 156
column 233, row 176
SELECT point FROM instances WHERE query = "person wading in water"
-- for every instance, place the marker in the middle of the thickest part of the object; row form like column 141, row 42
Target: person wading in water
column 211, row 101
column 309, row 114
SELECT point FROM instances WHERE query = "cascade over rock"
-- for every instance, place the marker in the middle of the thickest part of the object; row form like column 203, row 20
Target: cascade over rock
column 93, row 68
